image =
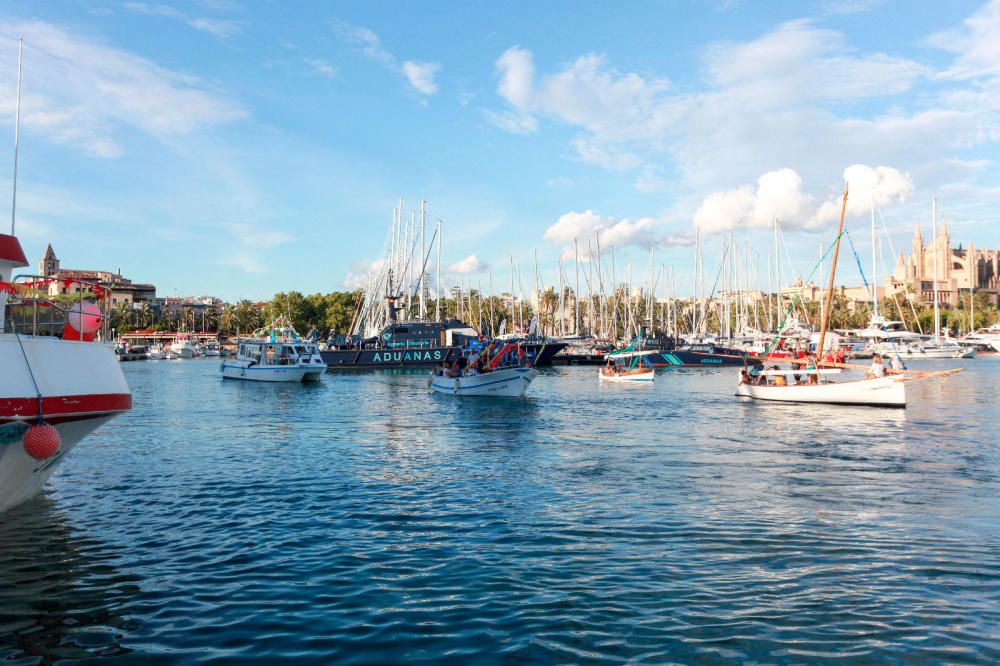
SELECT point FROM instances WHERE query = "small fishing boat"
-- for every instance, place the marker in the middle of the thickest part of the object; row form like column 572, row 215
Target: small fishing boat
column 505, row 382
column 630, row 366
column 275, row 354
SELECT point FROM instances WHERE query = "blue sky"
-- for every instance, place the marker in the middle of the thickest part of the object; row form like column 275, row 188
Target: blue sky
column 243, row 148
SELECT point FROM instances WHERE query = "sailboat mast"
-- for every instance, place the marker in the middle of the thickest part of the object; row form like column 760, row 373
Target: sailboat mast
column 833, row 276
column 937, row 311
column 874, row 266
column 437, row 301
column 17, row 135
column 423, row 255
column 576, row 293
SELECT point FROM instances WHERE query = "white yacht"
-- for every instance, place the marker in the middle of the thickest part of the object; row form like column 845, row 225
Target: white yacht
column 183, row 347
column 275, row 354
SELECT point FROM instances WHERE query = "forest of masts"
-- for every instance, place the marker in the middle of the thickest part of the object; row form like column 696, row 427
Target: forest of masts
column 598, row 292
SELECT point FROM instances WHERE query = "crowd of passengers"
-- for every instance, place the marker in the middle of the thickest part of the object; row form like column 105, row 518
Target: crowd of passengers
column 807, row 365
column 479, row 363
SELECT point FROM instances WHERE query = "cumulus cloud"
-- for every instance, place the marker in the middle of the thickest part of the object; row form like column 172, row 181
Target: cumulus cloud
column 83, row 93
column 419, row 75
column 471, row 264
column 589, row 226
column 881, row 185
column 759, row 102
column 778, row 195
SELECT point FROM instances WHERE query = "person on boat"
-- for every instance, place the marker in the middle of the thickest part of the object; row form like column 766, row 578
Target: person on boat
column 754, row 372
column 798, row 365
column 876, row 370
column 896, row 363
column 812, row 377
column 779, row 380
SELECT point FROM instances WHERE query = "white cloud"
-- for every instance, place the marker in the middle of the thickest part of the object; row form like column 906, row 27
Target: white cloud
column 81, row 93
column 977, row 43
column 778, row 195
column 588, row 226
column 256, row 237
column 361, row 274
column 321, row 67
column 221, row 28
column 419, row 75
column 471, row 264
column 759, row 103
column 881, row 185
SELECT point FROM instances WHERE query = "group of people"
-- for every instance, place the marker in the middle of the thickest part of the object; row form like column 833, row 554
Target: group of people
column 485, row 361
column 808, row 366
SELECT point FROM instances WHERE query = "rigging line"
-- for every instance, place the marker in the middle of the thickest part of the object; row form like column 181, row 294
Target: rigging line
column 798, row 297
column 858, row 259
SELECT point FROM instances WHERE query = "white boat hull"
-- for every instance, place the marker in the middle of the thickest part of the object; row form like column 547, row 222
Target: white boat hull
column 506, row 383
column 21, row 476
column 631, row 377
column 881, row 392
column 83, row 387
column 273, row 373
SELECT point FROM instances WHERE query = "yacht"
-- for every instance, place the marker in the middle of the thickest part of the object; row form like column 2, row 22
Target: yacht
column 183, row 346
column 275, row 354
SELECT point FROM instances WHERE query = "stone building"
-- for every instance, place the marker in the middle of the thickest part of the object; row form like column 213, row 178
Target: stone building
column 958, row 270
column 122, row 290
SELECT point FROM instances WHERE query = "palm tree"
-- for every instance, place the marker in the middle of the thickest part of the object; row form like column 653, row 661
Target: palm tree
column 146, row 314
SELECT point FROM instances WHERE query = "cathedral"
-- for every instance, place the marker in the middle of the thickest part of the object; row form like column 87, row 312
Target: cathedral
column 958, row 270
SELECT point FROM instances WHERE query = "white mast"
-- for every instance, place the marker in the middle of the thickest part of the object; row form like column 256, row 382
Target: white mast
column 423, row 254
column 576, row 293
column 437, row 301
column 874, row 267
column 937, row 312
column 777, row 276
column 17, row 135
column 973, row 278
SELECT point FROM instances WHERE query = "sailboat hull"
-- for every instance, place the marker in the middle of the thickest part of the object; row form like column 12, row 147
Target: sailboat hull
column 881, row 392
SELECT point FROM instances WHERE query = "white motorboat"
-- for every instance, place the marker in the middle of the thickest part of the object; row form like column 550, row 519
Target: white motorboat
column 156, row 353
column 504, row 382
column 879, row 392
column 211, row 349
column 54, row 391
column 926, row 349
column 183, row 347
column 275, row 354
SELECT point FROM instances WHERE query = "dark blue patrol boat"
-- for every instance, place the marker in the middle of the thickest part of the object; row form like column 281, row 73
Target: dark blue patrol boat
column 420, row 344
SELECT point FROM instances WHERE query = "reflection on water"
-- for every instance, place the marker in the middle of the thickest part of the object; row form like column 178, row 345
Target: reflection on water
column 366, row 519
column 63, row 593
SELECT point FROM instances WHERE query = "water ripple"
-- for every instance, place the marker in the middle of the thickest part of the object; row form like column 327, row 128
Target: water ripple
column 365, row 521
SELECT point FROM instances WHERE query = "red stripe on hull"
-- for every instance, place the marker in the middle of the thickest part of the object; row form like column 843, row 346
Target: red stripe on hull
column 65, row 407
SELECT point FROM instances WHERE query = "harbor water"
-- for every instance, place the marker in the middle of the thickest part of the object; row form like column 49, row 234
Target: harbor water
column 365, row 520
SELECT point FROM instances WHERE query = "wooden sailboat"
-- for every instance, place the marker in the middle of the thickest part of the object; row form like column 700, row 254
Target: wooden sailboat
column 627, row 366
column 888, row 391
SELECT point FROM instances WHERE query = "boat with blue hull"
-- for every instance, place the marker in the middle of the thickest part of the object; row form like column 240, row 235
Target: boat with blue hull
column 421, row 345
column 700, row 356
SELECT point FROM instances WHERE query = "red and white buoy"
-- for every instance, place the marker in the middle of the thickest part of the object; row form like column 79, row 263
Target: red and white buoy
column 41, row 442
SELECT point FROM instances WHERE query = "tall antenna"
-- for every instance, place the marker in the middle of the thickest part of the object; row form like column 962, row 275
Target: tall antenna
column 17, row 135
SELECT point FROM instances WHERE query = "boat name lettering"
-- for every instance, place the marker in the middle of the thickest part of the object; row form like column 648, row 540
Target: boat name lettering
column 400, row 357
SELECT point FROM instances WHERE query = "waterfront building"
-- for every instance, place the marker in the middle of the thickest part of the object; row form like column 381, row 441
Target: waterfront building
column 121, row 289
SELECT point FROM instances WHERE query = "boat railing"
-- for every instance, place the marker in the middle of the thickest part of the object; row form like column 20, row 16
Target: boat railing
column 31, row 313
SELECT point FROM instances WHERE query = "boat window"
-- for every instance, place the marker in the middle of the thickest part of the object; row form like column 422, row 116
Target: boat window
column 400, row 329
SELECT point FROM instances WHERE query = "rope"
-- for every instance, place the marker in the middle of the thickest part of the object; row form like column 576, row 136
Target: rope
column 31, row 373
column 795, row 300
